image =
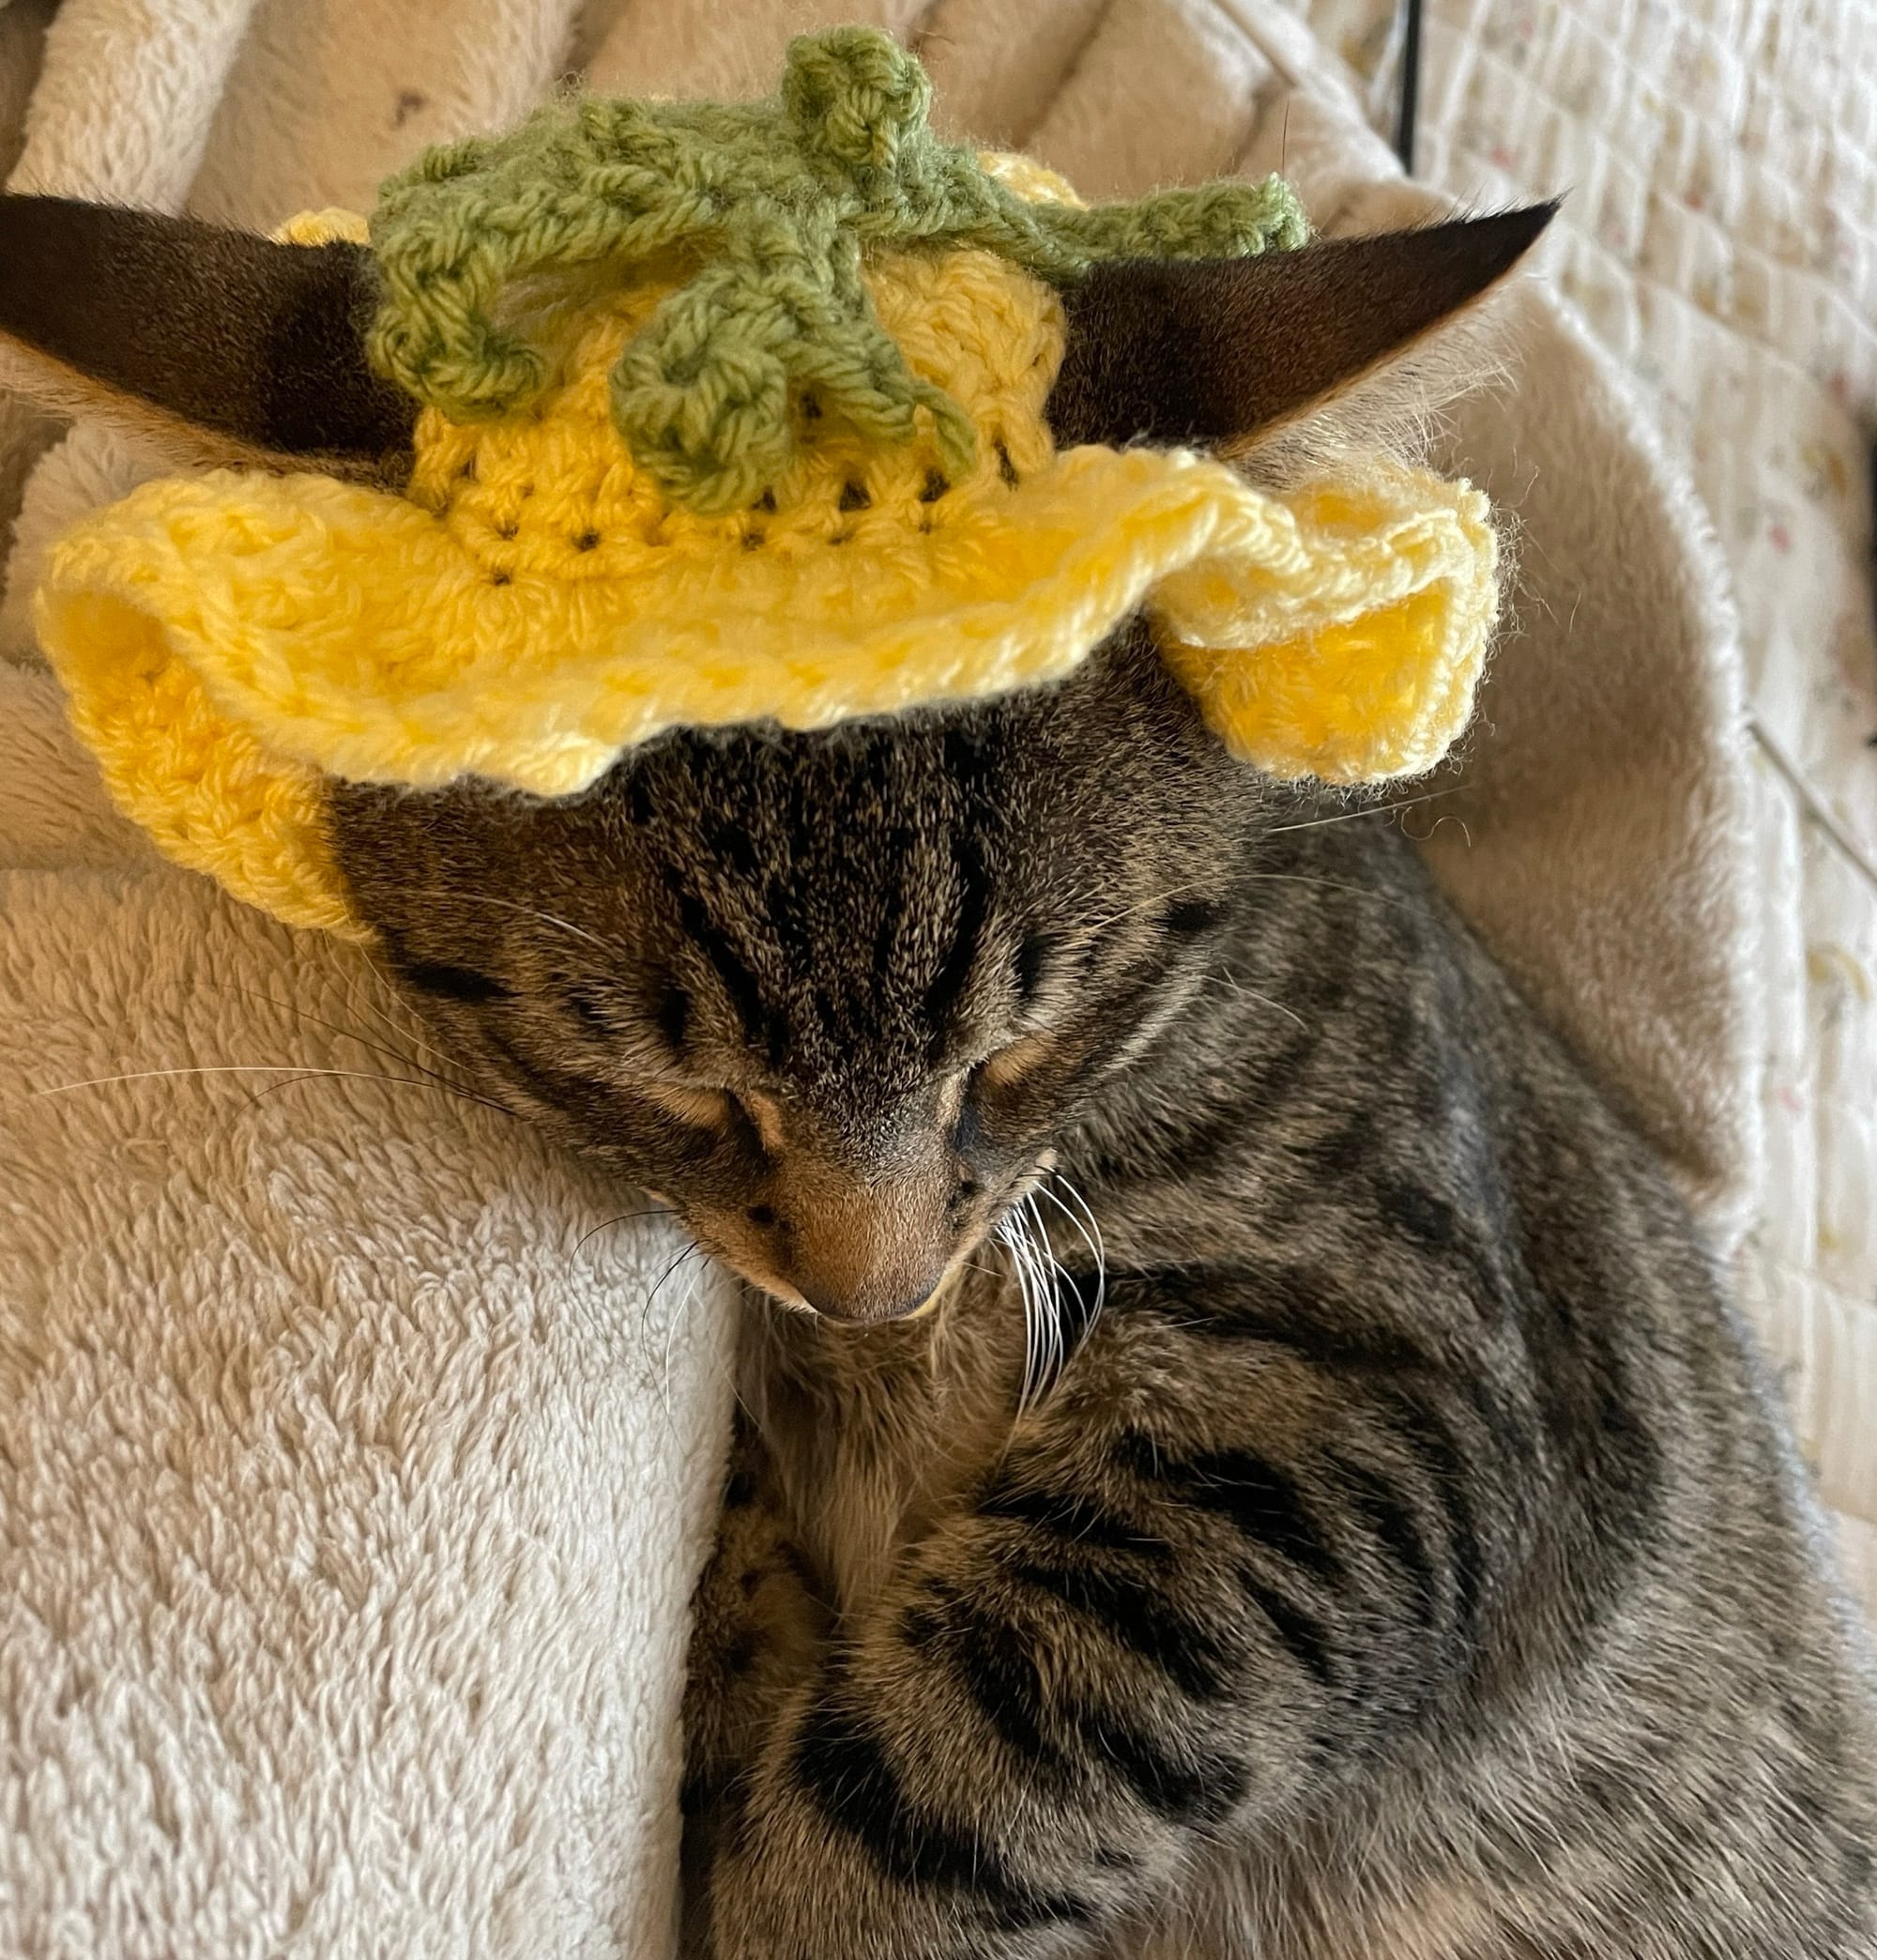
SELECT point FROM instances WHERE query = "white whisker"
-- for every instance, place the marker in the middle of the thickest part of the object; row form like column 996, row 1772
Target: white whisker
column 364, row 1041
column 1053, row 1295
column 1091, row 1235
column 547, row 918
column 296, row 1069
column 686, row 1304
column 1015, row 1231
column 1251, row 993
column 412, row 1028
column 1406, row 802
column 1333, row 884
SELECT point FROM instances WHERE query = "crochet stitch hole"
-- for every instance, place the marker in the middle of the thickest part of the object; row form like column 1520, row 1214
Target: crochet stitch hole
column 854, row 496
column 764, row 503
column 586, row 541
column 753, row 540
column 507, row 528
column 1006, row 468
column 501, row 578
column 935, row 486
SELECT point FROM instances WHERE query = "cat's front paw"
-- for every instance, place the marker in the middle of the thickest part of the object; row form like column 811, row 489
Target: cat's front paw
column 758, row 1633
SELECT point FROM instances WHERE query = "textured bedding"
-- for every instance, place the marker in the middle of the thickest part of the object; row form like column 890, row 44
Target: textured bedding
column 355, row 1456
column 1720, row 236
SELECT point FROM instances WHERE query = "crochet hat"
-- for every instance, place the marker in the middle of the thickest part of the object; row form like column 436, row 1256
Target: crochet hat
column 732, row 414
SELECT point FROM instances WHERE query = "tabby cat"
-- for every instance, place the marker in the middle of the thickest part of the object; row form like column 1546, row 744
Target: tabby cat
column 1244, row 1453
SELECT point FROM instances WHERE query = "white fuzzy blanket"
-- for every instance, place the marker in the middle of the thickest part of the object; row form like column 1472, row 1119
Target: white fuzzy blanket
column 348, row 1501
column 352, row 1483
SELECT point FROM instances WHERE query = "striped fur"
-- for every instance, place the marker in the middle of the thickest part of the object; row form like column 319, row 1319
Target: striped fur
column 1410, row 1560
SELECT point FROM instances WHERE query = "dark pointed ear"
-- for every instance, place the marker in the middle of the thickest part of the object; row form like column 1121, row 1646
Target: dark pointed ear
column 1224, row 350
column 237, row 348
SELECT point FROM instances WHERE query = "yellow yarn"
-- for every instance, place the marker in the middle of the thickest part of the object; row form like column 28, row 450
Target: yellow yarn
column 531, row 607
column 322, row 226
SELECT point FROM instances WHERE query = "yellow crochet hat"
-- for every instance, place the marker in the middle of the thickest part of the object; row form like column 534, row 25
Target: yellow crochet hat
column 536, row 601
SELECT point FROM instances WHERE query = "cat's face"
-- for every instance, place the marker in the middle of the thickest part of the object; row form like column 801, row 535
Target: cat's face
column 830, row 995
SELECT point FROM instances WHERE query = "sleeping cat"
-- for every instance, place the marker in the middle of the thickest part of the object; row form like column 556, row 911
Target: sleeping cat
column 1241, row 1450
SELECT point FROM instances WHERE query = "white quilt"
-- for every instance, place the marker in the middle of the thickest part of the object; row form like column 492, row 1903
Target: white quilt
column 354, row 1468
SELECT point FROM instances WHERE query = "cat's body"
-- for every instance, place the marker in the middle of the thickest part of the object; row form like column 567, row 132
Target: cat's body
column 1411, row 1560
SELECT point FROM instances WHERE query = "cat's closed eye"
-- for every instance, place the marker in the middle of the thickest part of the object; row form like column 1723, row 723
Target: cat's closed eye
column 444, row 980
column 590, row 1012
column 1011, row 1063
column 701, row 1107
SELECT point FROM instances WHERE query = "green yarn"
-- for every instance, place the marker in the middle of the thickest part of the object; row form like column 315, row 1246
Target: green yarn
column 779, row 200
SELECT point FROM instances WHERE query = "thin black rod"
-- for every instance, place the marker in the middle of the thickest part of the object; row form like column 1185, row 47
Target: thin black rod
column 1410, row 85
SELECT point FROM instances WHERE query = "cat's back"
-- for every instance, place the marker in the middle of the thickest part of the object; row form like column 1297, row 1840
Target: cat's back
column 1666, row 1726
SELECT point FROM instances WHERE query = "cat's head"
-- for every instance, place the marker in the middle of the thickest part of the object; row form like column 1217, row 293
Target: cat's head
column 833, row 995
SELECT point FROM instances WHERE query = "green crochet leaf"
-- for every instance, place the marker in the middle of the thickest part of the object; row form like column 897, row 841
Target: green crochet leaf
column 779, row 200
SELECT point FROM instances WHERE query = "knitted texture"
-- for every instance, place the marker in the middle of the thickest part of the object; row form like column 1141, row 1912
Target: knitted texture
column 769, row 209
column 536, row 603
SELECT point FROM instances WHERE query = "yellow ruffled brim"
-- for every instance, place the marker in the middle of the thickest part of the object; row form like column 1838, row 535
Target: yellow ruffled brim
column 229, row 641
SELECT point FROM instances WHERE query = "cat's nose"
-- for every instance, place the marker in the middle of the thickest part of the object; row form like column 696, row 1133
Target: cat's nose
column 862, row 1240
column 868, row 1306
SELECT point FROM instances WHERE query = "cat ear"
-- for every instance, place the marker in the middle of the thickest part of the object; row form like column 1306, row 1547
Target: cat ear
column 1209, row 351
column 230, row 347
